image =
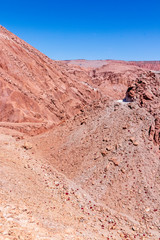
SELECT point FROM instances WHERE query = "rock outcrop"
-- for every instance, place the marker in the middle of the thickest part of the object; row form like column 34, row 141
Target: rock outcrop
column 145, row 90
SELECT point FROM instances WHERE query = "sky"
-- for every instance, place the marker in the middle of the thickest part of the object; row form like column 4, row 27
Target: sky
column 87, row 29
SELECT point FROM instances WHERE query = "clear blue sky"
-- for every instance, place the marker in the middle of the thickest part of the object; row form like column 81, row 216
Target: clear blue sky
column 101, row 29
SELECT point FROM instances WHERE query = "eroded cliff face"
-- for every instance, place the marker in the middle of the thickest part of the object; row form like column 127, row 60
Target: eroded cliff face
column 145, row 90
column 127, row 81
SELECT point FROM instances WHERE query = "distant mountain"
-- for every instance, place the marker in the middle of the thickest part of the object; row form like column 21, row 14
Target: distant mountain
column 150, row 65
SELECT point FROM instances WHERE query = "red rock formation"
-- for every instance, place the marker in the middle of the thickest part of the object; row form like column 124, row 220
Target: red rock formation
column 75, row 163
column 146, row 91
column 91, row 64
column 111, row 77
column 36, row 89
column 154, row 131
column 150, row 65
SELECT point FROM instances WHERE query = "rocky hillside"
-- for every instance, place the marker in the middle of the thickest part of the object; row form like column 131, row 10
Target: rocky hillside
column 36, row 89
column 79, row 147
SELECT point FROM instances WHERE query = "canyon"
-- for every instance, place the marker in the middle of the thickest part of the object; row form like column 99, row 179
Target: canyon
column 79, row 146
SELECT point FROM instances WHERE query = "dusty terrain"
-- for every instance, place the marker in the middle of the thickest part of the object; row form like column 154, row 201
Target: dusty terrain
column 79, row 147
column 150, row 65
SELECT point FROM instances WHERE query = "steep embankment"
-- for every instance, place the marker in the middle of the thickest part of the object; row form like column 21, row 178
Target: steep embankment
column 34, row 88
column 110, row 155
column 112, row 151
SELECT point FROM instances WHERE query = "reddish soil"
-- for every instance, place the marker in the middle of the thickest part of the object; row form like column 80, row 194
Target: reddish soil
column 149, row 65
column 79, row 147
column 35, row 88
